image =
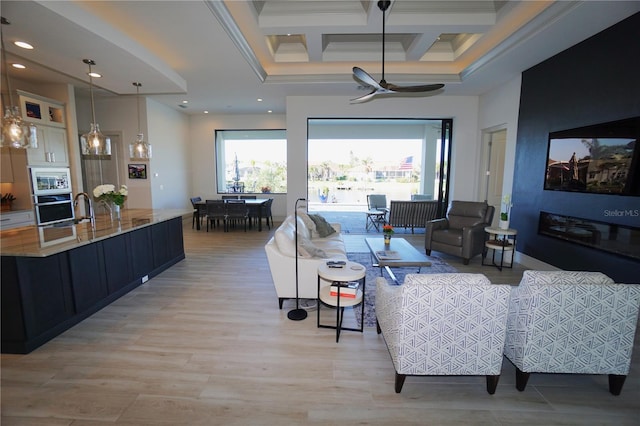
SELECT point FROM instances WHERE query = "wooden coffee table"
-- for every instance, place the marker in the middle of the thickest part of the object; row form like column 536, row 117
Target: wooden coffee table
column 398, row 254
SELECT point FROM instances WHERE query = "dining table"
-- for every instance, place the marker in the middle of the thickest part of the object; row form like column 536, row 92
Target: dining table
column 254, row 206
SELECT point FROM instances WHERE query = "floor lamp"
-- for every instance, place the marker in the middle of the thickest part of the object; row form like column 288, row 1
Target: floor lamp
column 298, row 313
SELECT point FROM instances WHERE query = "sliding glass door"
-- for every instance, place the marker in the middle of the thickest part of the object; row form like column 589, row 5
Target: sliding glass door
column 402, row 158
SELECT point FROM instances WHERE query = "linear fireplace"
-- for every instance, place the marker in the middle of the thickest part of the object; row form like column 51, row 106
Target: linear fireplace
column 610, row 237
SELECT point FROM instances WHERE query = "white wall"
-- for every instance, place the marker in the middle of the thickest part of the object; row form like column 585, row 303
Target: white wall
column 462, row 109
column 499, row 109
column 202, row 170
column 169, row 172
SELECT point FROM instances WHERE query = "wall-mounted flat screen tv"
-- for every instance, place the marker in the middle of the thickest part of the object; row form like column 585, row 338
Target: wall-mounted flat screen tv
column 602, row 159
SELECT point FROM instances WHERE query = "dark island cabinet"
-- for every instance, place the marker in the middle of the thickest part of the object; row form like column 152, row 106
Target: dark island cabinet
column 44, row 296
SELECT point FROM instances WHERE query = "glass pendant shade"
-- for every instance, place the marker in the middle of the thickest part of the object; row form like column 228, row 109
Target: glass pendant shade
column 15, row 132
column 95, row 143
column 139, row 149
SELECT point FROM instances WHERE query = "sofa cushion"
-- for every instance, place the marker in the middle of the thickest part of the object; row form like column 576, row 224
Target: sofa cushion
column 451, row 237
column 285, row 237
column 323, row 228
column 308, row 223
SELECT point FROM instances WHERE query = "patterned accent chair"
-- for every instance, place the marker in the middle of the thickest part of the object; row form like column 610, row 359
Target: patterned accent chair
column 461, row 233
column 572, row 322
column 443, row 324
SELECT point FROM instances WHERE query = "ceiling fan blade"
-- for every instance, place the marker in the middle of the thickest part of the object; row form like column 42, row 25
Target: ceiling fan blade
column 364, row 98
column 421, row 88
column 364, row 77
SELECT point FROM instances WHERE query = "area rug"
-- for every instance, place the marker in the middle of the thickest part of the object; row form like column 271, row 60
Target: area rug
column 438, row 266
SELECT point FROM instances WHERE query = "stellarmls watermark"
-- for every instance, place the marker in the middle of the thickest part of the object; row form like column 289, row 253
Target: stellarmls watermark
column 622, row 213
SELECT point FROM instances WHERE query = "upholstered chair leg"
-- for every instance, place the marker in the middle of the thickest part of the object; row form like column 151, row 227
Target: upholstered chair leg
column 465, row 261
column 378, row 329
column 400, row 381
column 492, row 383
column 615, row 383
column 428, row 251
column 521, row 379
column 280, row 301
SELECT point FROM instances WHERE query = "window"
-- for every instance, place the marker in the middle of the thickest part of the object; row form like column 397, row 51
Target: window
column 251, row 161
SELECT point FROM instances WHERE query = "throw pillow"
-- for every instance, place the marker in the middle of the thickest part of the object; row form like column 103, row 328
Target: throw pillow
column 323, row 228
column 307, row 249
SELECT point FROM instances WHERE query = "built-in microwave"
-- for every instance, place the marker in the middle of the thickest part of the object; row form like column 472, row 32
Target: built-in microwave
column 54, row 208
column 50, row 180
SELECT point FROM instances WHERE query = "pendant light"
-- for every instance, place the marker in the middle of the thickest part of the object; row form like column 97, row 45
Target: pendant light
column 94, row 142
column 139, row 149
column 15, row 132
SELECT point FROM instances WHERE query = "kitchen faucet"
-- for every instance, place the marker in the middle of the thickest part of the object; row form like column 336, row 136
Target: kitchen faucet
column 92, row 216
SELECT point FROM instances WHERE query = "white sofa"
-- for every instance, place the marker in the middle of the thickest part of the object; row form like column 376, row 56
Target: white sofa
column 313, row 250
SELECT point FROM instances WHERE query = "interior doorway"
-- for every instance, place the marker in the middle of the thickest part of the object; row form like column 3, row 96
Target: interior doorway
column 494, row 147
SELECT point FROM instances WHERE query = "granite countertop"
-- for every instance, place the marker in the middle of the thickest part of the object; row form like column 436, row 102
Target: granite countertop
column 34, row 241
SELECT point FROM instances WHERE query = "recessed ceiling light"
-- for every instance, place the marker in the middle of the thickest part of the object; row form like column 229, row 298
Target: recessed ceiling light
column 94, row 74
column 206, row 112
column 259, row 99
column 19, row 66
column 269, row 111
column 185, row 102
column 23, row 44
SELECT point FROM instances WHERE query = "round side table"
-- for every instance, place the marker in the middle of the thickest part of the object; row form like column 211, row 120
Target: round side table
column 350, row 272
column 499, row 239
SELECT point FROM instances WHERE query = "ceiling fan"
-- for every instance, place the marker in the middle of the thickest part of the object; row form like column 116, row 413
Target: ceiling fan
column 383, row 87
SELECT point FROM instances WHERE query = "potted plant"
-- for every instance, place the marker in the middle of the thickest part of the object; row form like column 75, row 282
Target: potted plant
column 265, row 189
column 504, row 212
column 113, row 200
column 387, row 231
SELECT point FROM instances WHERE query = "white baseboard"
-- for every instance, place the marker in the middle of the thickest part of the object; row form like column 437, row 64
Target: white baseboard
column 533, row 263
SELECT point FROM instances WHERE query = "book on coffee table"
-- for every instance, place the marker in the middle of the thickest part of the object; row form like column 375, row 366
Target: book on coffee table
column 387, row 254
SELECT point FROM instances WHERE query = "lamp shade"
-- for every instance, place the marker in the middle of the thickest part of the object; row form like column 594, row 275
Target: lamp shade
column 94, row 142
column 15, row 132
column 140, row 149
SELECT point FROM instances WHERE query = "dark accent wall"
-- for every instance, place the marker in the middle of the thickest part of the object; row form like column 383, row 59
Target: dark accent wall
column 593, row 82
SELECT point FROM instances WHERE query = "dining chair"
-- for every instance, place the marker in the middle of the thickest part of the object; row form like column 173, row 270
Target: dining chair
column 216, row 211
column 248, row 197
column 266, row 212
column 229, row 197
column 236, row 211
column 196, row 214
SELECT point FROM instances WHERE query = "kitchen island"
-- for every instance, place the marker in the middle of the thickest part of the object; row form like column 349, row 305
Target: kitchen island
column 54, row 277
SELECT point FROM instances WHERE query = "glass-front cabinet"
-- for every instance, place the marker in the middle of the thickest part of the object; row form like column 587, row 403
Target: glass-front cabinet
column 49, row 117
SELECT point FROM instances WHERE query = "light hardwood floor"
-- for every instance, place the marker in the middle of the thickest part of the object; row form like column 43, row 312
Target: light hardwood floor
column 204, row 343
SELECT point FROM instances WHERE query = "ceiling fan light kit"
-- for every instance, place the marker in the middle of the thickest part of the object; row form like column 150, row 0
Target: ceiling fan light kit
column 382, row 87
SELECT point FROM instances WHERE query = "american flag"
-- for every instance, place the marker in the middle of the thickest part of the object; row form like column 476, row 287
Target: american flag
column 406, row 163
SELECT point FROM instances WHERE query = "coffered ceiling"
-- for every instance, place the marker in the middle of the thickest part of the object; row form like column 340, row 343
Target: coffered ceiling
column 221, row 56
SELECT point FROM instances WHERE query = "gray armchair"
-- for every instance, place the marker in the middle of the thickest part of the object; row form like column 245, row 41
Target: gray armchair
column 461, row 233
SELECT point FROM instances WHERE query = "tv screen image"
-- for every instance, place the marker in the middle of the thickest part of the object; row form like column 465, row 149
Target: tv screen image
column 602, row 158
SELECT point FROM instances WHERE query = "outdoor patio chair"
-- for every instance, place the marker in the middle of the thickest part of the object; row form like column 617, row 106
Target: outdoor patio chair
column 377, row 211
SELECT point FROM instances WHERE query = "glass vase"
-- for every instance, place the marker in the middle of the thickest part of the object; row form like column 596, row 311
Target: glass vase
column 387, row 239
